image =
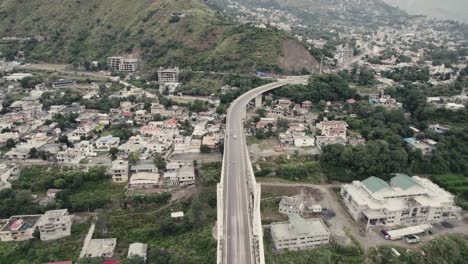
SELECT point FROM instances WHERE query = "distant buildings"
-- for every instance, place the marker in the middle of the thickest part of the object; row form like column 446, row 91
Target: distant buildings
column 384, row 100
column 345, row 55
column 299, row 233
column 405, row 201
column 62, row 83
column 169, row 75
column 333, row 128
column 168, row 79
column 425, row 145
column 122, row 64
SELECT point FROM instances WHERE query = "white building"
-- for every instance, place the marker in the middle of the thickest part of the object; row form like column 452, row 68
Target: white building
column 119, row 171
column 299, row 233
column 138, row 249
column 62, row 83
column 55, row 224
column 70, row 156
column 170, row 75
column 106, row 143
column 122, row 64
column 405, row 201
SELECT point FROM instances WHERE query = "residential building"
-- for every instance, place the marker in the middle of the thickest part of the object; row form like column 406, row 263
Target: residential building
column 100, row 248
column 299, row 233
column 439, row 129
column 425, row 145
column 19, row 228
column 168, row 76
column 70, row 156
column 384, row 100
column 180, row 173
column 143, row 180
column 97, row 248
column 55, row 224
column 333, row 128
column 106, row 143
column 138, row 249
column 62, row 83
column 119, row 171
column 122, row 64
column 405, row 201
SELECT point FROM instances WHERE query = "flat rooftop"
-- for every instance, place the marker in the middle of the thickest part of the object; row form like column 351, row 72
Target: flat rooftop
column 297, row 226
column 20, row 222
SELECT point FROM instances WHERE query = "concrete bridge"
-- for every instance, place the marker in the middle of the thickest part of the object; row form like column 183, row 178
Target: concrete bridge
column 240, row 233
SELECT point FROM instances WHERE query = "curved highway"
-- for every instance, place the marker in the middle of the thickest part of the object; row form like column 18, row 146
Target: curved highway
column 238, row 184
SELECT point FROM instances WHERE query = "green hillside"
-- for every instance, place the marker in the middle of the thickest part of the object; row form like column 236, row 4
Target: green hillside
column 85, row 30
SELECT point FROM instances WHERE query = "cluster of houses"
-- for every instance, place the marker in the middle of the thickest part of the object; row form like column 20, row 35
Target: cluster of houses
column 455, row 102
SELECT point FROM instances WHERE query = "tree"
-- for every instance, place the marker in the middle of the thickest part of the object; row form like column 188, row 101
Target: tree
column 133, row 158
column 261, row 112
column 113, row 152
column 10, row 143
column 205, row 149
column 33, row 153
column 159, row 161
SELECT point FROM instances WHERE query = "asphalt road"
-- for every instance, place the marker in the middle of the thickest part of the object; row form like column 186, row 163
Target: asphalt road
column 237, row 220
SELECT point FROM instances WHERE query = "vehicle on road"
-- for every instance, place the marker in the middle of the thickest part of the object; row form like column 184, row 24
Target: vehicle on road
column 446, row 224
column 412, row 239
column 235, row 137
column 385, row 234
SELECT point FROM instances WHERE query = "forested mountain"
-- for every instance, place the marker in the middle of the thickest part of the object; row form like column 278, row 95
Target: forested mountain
column 184, row 33
column 367, row 13
column 448, row 9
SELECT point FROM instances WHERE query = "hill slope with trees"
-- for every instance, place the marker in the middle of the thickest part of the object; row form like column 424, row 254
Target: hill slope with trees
column 184, row 33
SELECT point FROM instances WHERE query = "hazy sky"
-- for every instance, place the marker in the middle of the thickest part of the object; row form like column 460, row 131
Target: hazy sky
column 453, row 9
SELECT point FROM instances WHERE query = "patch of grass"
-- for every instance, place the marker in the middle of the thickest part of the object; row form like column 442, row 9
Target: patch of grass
column 209, row 174
column 269, row 208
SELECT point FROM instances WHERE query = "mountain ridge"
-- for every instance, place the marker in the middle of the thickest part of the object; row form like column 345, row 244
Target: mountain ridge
column 184, row 33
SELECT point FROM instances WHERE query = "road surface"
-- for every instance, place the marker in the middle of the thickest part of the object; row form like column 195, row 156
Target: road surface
column 237, row 227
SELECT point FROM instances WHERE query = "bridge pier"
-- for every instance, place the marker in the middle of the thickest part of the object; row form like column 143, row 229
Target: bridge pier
column 258, row 101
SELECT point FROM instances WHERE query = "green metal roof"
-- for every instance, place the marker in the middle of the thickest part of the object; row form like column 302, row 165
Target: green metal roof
column 375, row 184
column 403, row 181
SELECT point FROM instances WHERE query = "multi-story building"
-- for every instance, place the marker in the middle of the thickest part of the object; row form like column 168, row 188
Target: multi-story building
column 62, row 83
column 168, row 76
column 299, row 233
column 19, row 228
column 119, row 171
column 122, row 64
column 55, row 224
column 405, row 201
column 345, row 55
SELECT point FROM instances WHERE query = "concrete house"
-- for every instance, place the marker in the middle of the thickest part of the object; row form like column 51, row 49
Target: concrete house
column 299, row 233
column 55, row 224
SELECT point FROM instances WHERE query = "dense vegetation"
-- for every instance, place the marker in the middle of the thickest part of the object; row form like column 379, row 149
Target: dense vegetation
column 202, row 39
column 81, row 191
column 328, row 87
